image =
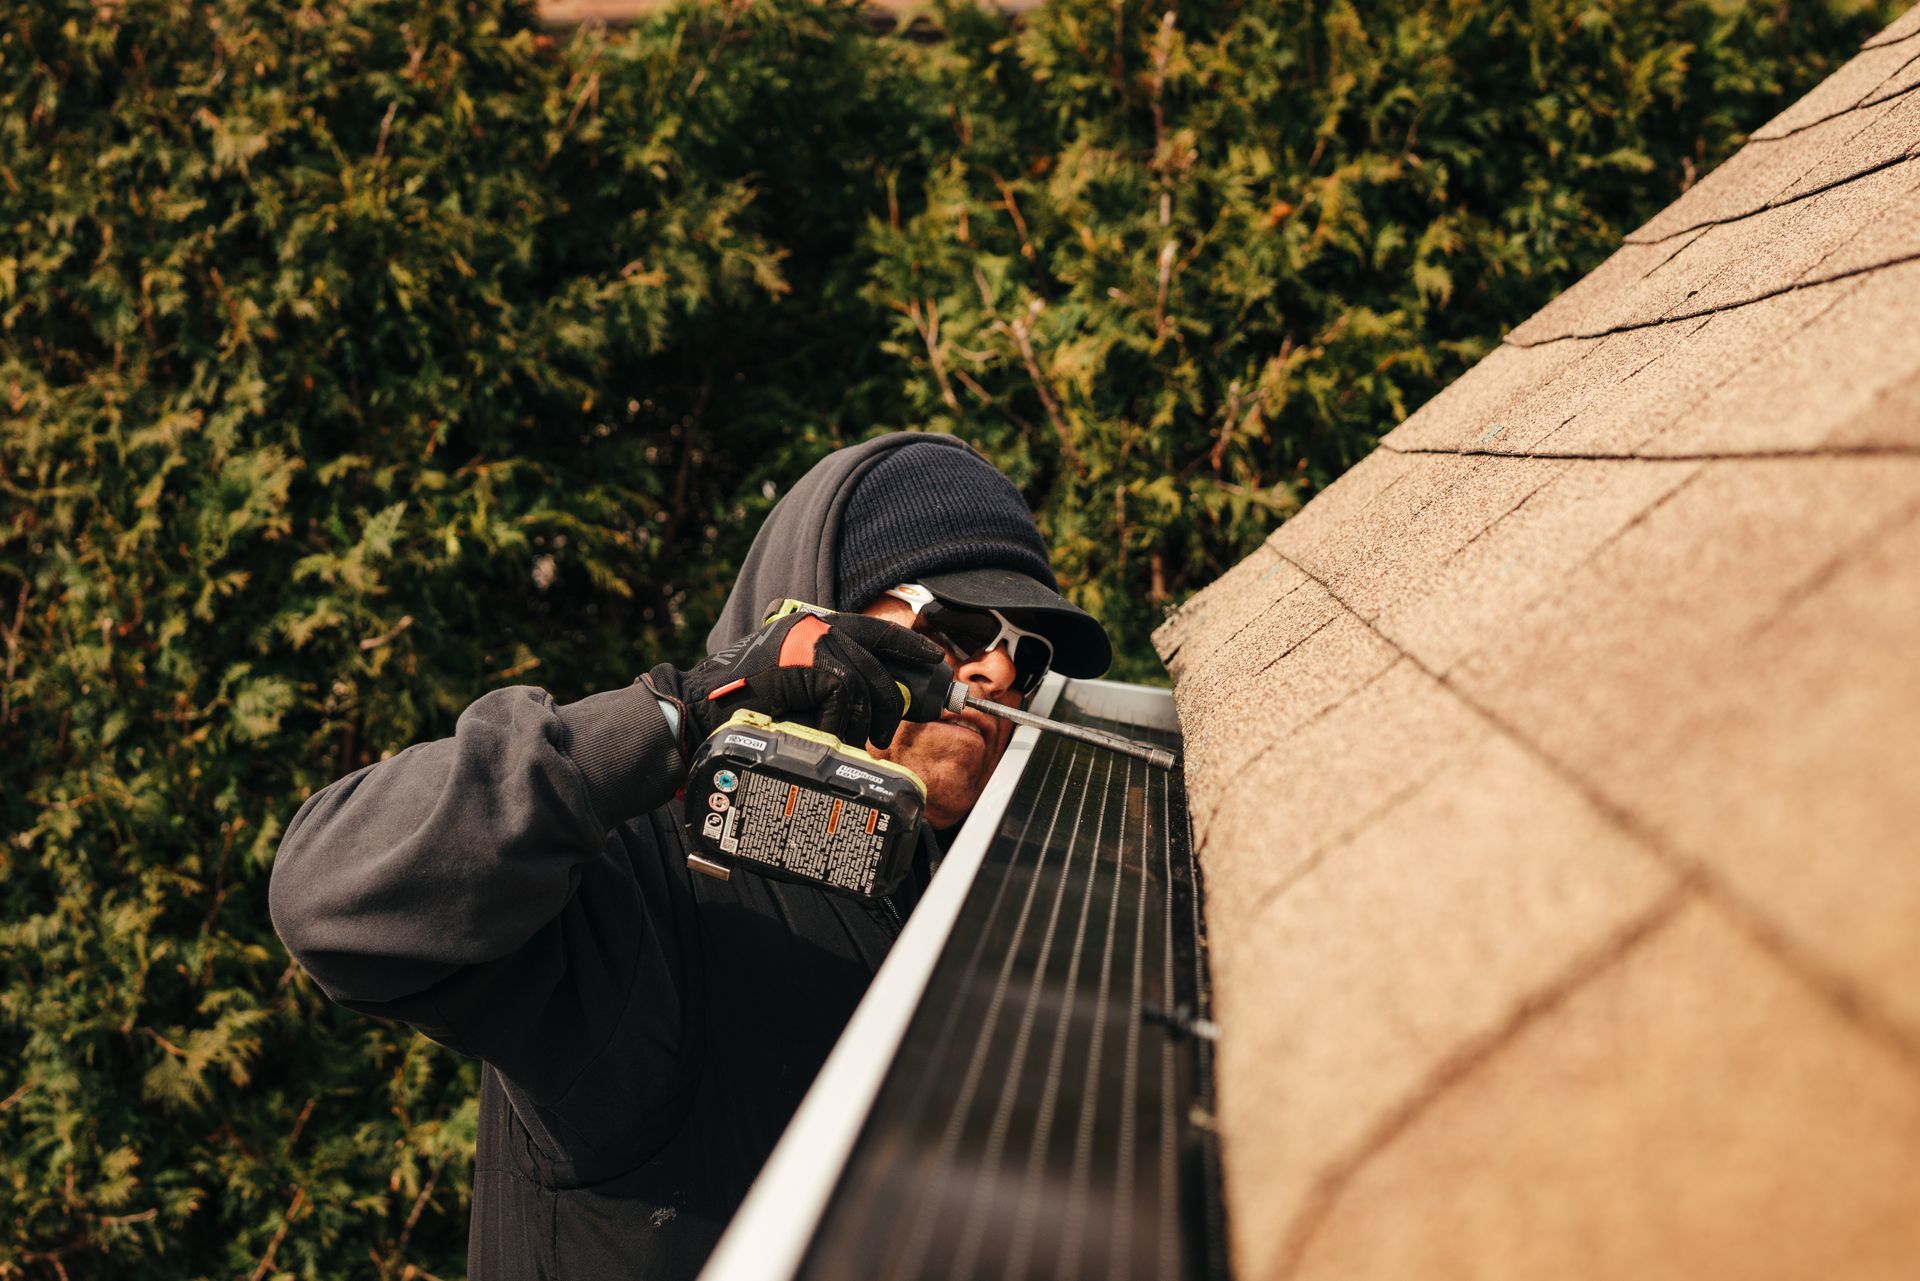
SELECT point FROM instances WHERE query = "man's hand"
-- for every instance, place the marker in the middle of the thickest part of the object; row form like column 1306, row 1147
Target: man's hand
column 829, row 672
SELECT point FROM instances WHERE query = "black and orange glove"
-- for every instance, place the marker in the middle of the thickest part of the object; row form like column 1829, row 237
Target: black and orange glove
column 826, row 671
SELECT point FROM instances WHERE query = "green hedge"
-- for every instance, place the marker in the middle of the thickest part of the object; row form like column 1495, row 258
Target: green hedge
column 360, row 356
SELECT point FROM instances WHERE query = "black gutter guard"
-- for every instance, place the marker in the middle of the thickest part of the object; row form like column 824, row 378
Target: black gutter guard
column 1048, row 1110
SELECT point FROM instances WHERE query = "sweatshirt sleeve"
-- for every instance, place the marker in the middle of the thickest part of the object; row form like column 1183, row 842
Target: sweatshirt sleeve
column 477, row 888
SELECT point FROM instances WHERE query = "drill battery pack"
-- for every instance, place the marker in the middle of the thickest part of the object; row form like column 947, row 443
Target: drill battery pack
column 793, row 802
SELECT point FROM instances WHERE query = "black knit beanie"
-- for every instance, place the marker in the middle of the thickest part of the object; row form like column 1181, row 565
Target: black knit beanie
column 924, row 510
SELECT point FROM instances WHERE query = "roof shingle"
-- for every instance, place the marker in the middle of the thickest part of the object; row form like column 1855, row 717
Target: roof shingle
column 1555, row 771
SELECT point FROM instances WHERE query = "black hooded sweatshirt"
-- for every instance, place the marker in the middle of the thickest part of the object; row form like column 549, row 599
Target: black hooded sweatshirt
column 520, row 893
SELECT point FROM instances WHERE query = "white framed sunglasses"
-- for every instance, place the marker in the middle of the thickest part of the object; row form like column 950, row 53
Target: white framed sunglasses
column 968, row 634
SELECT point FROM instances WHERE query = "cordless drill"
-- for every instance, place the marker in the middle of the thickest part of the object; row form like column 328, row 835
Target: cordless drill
column 793, row 802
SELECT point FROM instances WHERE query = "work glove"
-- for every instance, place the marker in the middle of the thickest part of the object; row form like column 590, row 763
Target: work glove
column 829, row 672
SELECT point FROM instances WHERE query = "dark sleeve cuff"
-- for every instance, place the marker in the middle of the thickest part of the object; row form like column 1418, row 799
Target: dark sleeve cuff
column 622, row 746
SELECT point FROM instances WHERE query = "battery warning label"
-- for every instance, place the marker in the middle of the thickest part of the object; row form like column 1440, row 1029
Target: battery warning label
column 806, row 831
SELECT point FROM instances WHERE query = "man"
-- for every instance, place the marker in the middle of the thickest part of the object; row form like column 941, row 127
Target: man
column 520, row 892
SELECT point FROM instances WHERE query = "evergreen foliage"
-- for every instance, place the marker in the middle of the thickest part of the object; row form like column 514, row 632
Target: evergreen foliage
column 359, row 356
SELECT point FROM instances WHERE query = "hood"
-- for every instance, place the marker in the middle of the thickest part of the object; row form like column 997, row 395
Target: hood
column 793, row 554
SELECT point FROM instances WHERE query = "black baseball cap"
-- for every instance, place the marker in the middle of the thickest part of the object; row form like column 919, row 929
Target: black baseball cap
column 1080, row 644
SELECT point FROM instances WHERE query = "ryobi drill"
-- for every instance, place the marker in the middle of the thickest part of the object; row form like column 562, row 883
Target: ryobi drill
column 793, row 802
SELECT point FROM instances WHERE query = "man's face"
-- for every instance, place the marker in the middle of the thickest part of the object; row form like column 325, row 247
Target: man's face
column 954, row 755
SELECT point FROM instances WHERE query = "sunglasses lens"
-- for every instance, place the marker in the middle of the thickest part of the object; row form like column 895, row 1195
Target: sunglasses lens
column 968, row 634
column 1031, row 659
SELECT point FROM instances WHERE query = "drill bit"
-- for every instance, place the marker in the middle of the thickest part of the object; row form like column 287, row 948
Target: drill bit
column 1157, row 756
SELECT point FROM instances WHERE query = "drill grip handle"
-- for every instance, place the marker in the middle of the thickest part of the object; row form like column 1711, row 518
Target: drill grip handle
column 927, row 687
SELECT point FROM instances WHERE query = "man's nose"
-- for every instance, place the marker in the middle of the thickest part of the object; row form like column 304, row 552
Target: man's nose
column 989, row 674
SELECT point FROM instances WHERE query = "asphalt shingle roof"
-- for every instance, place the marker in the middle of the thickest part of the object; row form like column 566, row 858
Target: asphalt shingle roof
column 1556, row 772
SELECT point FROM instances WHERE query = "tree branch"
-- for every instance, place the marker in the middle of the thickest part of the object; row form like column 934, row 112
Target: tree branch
column 375, row 642
column 280, row 1234
column 926, row 321
column 1020, row 331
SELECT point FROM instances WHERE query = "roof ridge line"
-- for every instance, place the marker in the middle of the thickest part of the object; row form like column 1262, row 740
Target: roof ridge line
column 1880, row 42
column 1863, row 102
column 1728, row 456
column 1783, row 202
column 1804, row 283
